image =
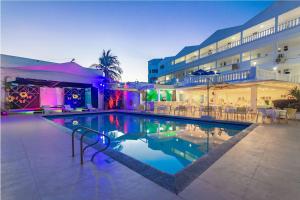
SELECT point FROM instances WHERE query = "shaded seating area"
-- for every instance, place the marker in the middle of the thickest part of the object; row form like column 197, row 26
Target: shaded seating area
column 247, row 114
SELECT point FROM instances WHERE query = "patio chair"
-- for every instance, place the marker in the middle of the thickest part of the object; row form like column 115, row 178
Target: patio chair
column 46, row 109
column 266, row 113
column 141, row 107
column 291, row 113
column 68, row 108
column 263, row 113
column 180, row 109
column 230, row 111
column 281, row 115
column 242, row 112
column 161, row 108
column 90, row 107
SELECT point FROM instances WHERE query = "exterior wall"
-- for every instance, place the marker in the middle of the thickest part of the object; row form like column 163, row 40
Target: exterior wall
column 131, row 100
column 153, row 68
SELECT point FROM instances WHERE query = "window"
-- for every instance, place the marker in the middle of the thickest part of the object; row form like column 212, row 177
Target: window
column 154, row 71
column 162, row 66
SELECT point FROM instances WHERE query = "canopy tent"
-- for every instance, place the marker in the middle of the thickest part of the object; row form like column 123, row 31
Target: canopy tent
column 68, row 67
column 63, row 72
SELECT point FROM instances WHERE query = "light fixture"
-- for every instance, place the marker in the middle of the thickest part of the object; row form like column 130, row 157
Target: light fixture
column 254, row 63
column 274, row 68
column 261, row 26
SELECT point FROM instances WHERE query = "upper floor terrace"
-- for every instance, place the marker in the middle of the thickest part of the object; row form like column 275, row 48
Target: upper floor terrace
column 252, row 74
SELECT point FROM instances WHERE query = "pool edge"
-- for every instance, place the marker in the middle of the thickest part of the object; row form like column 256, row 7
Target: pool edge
column 179, row 181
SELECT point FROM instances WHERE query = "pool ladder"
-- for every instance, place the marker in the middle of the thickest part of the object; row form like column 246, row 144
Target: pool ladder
column 82, row 149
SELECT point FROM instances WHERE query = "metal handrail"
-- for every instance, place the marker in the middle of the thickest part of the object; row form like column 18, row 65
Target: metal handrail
column 82, row 149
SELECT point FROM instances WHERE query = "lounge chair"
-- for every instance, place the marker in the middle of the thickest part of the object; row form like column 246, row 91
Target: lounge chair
column 90, row 107
column 46, row 109
column 67, row 108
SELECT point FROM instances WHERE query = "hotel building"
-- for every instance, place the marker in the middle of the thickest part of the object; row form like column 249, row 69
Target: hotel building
column 253, row 64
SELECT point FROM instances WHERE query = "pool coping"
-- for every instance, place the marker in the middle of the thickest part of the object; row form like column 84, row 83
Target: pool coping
column 179, row 181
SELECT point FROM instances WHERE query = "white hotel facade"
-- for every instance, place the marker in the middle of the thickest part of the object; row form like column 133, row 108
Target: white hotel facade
column 258, row 60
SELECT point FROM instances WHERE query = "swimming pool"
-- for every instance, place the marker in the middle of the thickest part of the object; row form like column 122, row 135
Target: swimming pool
column 164, row 143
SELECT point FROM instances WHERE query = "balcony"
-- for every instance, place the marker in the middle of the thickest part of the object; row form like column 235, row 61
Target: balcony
column 232, row 76
column 262, row 74
column 210, row 50
column 289, row 24
column 258, row 35
column 229, row 46
column 238, row 76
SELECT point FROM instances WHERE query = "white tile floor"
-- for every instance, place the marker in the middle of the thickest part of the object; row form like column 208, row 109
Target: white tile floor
column 36, row 164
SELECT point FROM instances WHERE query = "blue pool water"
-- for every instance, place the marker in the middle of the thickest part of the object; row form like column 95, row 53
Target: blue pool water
column 167, row 144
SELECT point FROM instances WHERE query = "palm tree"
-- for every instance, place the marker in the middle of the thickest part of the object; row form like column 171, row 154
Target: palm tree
column 295, row 93
column 110, row 66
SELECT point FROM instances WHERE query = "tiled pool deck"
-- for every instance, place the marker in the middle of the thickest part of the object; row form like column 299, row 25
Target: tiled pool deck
column 37, row 164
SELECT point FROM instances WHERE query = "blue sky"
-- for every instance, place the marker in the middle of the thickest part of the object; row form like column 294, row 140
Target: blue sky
column 135, row 31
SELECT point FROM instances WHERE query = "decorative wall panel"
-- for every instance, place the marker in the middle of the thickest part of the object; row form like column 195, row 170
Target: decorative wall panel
column 75, row 97
column 23, row 96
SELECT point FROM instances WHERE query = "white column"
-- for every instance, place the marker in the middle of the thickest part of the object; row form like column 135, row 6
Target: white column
column 242, row 35
column 253, row 97
column 158, row 94
column 276, row 24
column 100, row 100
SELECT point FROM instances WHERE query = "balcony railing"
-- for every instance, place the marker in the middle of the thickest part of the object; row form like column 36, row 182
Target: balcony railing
column 259, row 35
column 262, row 74
column 191, row 59
column 281, row 27
column 232, row 76
column 289, row 24
column 229, row 45
column 238, row 76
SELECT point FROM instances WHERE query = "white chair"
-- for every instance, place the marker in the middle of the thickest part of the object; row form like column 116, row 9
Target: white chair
column 281, row 115
column 67, row 108
column 162, row 108
column 90, row 107
column 46, row 109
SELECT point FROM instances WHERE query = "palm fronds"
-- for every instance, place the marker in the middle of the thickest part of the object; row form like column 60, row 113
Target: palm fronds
column 110, row 66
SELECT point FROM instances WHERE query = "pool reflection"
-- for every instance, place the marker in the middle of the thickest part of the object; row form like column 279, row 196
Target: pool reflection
column 166, row 144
